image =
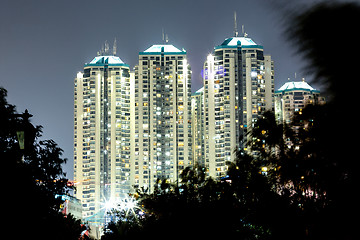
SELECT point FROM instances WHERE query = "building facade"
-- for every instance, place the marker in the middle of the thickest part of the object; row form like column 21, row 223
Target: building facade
column 198, row 127
column 102, row 137
column 238, row 87
column 162, row 147
column 293, row 97
column 70, row 205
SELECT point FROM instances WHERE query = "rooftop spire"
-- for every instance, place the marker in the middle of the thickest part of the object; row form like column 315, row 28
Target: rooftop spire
column 114, row 47
column 235, row 25
column 243, row 31
column 165, row 37
column 163, row 34
column 107, row 48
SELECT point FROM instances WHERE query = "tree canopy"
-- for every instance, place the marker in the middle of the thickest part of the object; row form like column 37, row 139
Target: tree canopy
column 35, row 178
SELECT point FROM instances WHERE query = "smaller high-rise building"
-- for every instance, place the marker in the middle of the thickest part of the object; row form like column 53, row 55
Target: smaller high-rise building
column 293, row 97
column 198, row 127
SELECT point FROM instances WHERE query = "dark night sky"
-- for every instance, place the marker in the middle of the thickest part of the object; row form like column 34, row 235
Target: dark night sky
column 43, row 44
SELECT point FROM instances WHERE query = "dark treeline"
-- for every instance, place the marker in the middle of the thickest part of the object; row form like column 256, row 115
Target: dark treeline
column 32, row 178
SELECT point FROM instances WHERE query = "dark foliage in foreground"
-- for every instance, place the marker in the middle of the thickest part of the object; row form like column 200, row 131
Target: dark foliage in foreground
column 330, row 144
column 34, row 178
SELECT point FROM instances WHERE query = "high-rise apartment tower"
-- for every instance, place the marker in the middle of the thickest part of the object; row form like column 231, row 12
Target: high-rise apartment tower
column 162, row 115
column 238, row 87
column 102, row 132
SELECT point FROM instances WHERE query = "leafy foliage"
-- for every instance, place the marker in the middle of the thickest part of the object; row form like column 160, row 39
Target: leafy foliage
column 36, row 178
column 329, row 144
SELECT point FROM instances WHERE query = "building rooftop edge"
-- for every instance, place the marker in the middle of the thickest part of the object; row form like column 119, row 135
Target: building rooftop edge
column 297, row 89
column 234, row 42
column 106, row 60
column 167, row 49
column 296, row 86
column 242, row 46
column 109, row 64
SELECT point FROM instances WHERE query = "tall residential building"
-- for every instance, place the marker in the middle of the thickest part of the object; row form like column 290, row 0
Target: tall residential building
column 162, row 115
column 198, row 127
column 238, row 87
column 102, row 132
column 293, row 97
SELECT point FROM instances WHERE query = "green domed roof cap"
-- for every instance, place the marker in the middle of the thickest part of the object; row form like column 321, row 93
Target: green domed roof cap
column 167, row 49
column 234, row 42
column 106, row 60
column 296, row 86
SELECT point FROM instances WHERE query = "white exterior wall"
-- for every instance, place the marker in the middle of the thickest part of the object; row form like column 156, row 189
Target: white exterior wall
column 269, row 83
column 78, row 132
column 210, row 114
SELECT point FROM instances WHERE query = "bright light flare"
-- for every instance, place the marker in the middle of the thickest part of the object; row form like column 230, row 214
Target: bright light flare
column 109, row 204
column 126, row 204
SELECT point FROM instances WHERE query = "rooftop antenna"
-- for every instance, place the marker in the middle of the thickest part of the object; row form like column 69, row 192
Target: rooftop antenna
column 295, row 76
column 107, row 48
column 235, row 25
column 163, row 35
column 243, row 31
column 102, row 50
column 114, row 47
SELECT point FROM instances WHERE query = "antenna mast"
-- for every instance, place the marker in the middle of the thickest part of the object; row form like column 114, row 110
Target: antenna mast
column 235, row 25
column 107, row 48
column 163, row 35
column 114, row 47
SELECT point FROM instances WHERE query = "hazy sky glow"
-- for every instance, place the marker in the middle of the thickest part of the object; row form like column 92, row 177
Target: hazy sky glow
column 44, row 43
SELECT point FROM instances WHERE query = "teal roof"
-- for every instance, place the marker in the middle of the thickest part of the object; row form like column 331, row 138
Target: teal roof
column 163, row 48
column 296, row 86
column 106, row 60
column 234, row 42
column 199, row 92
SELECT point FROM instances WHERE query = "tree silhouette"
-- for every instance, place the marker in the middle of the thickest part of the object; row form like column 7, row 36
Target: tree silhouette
column 35, row 178
column 323, row 35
